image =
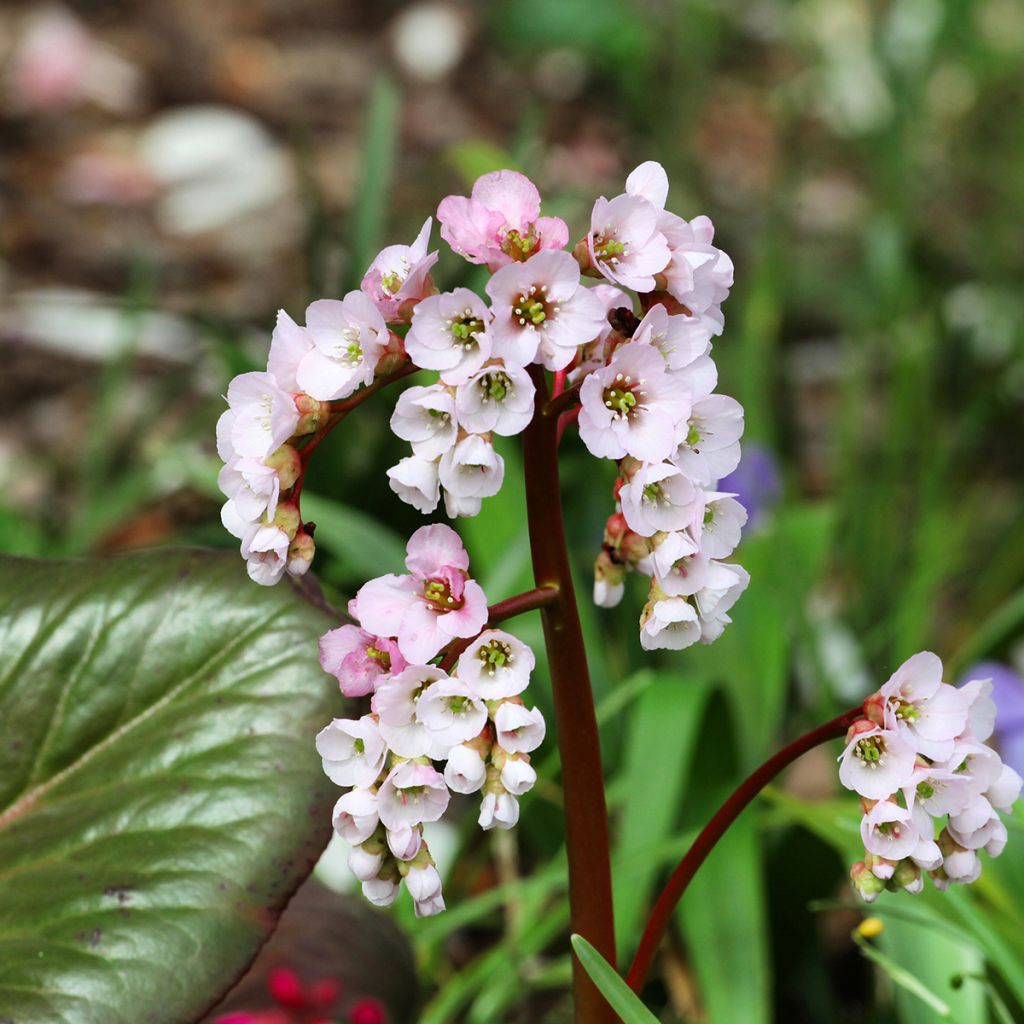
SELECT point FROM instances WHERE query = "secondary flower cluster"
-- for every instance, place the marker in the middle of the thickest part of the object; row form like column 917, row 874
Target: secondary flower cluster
column 473, row 721
column 919, row 761
column 650, row 404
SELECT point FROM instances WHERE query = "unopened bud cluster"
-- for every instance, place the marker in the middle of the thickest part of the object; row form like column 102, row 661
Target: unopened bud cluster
column 428, row 732
column 930, row 787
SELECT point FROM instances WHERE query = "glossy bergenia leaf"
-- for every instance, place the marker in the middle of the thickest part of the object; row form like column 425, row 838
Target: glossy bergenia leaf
column 160, row 798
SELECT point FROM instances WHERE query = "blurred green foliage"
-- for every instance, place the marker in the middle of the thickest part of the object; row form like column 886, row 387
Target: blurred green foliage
column 861, row 163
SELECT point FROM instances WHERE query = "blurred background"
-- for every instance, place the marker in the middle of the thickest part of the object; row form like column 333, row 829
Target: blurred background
column 173, row 173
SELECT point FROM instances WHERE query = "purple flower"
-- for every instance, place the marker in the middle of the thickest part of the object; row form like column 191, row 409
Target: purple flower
column 1008, row 694
column 756, row 482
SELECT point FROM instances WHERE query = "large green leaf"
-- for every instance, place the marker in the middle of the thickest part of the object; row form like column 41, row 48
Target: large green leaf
column 160, row 799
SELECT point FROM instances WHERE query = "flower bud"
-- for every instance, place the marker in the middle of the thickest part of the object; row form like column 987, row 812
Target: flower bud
column 311, row 414
column 865, row 884
column 364, row 864
column 581, row 254
column 609, row 581
column 906, row 876
column 288, row 519
column 380, row 892
column 300, row 553
column 288, row 465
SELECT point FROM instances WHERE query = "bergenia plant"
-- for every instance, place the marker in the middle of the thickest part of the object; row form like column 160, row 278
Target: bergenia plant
column 627, row 362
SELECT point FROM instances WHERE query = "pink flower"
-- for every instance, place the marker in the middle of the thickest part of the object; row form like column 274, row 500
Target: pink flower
column 624, row 242
column 541, row 311
column 500, row 222
column 449, row 333
column 435, row 603
column 632, row 406
column 349, row 337
column 399, row 276
column 359, row 660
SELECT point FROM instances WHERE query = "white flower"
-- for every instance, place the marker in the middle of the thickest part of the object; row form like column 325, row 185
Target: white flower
column 265, row 550
column 472, row 469
column 425, row 417
column 349, row 337
column 423, row 883
column 876, row 762
column 465, row 771
column 624, row 241
column 363, row 864
column 1005, row 791
column 353, row 751
column 252, row 486
column 719, row 528
column 541, row 311
column 396, row 703
column 288, row 345
column 725, row 583
column 632, row 406
column 708, row 443
column 455, row 506
column 888, row 831
column 669, row 623
column 496, row 665
column 917, row 701
column 449, row 333
column 451, row 713
column 519, row 731
column 411, row 794
column 381, row 892
column 658, row 497
column 405, row 841
column 682, row 341
column 260, row 417
column 518, row 776
column 496, row 398
column 498, row 810
column 355, row 816
column 416, row 481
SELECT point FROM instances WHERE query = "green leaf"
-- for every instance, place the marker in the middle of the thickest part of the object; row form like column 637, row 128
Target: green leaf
column 364, row 546
column 662, row 731
column 160, row 798
column 620, row 996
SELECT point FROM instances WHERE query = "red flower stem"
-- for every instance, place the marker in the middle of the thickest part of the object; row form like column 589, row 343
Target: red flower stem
column 715, row 829
column 586, row 816
column 507, row 609
column 558, row 383
column 338, row 411
column 565, row 419
column 563, row 401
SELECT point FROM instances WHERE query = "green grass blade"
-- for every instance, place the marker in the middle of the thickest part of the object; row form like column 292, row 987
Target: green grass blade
column 620, row 996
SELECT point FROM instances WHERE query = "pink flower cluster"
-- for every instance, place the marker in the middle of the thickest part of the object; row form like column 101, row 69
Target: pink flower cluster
column 930, row 787
column 427, row 732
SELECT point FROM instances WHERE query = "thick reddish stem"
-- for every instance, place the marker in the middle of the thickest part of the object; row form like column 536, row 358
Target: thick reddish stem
column 586, row 815
column 563, row 401
column 507, row 609
column 714, row 830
